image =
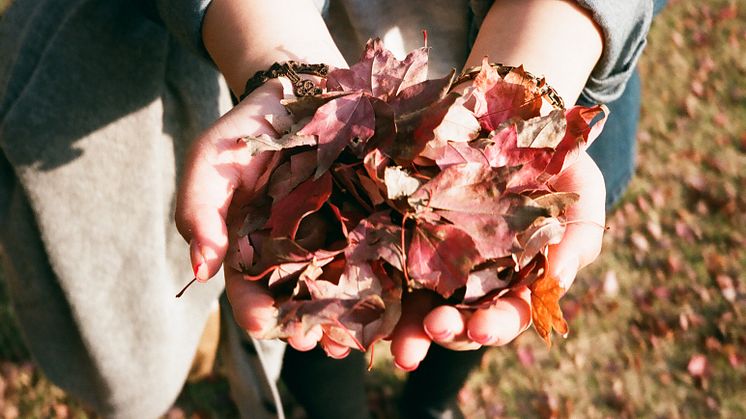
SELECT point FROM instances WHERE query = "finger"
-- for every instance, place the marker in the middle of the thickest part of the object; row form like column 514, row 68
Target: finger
column 503, row 321
column 334, row 349
column 202, row 204
column 409, row 342
column 581, row 243
column 305, row 340
column 217, row 165
column 446, row 326
column 253, row 306
column 443, row 324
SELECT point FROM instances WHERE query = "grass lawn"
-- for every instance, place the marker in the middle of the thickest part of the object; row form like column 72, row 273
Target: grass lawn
column 657, row 324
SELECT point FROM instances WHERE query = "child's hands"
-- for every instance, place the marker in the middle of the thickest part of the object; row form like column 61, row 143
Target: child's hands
column 422, row 324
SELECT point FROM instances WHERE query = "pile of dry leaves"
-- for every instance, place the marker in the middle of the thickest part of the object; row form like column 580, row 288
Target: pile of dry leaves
column 389, row 182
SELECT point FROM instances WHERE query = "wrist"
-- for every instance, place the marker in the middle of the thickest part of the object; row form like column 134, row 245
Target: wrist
column 243, row 38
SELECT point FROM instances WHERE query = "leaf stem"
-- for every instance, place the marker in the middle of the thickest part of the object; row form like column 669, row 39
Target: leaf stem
column 185, row 287
column 404, row 251
column 599, row 225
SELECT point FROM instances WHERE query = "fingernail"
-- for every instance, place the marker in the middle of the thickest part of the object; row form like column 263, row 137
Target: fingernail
column 566, row 273
column 485, row 339
column 407, row 369
column 340, row 356
column 199, row 265
column 439, row 335
column 305, row 348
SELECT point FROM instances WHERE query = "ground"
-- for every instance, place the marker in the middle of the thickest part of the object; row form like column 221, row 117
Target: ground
column 657, row 324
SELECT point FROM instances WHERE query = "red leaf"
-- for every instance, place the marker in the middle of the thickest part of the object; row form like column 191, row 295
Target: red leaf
column 579, row 136
column 498, row 99
column 390, row 76
column 376, row 237
column 421, row 95
column 292, row 173
column 471, row 188
column 338, row 123
column 305, row 199
column 490, row 232
column 440, row 257
column 358, row 76
column 535, row 239
column 444, row 120
column 458, row 153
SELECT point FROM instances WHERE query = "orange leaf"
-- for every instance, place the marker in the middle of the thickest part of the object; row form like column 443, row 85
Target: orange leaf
column 545, row 309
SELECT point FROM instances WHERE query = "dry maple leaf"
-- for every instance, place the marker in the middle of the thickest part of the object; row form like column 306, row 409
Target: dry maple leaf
column 546, row 313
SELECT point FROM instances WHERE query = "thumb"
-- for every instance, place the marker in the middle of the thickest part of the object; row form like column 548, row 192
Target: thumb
column 581, row 243
column 204, row 195
column 216, row 168
column 215, row 171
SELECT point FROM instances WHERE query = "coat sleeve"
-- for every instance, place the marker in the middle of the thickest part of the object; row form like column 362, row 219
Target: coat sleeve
column 625, row 25
column 183, row 19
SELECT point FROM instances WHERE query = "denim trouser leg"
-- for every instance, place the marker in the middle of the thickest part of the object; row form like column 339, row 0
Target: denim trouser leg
column 614, row 150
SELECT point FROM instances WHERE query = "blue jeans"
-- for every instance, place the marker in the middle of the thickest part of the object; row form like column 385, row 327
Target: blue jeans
column 614, row 150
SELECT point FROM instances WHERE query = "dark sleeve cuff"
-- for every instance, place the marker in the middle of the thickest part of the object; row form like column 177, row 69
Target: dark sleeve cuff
column 625, row 26
column 183, row 19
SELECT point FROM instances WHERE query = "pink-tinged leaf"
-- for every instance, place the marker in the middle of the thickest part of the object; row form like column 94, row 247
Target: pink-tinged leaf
column 337, row 124
column 578, row 136
column 487, row 279
column 285, row 272
column 389, row 76
column 343, row 316
column 385, row 128
column 556, row 203
column 421, row 95
column 471, row 188
column 376, row 237
column 440, row 257
column 277, row 251
column 542, row 131
column 306, row 198
column 375, row 163
column 359, row 326
column 358, row 76
column 458, row 153
column 501, row 149
column 348, row 80
column 446, row 119
column 346, row 178
column 492, row 236
column 498, row 99
column 241, row 256
column 457, row 126
column 280, row 122
column 264, row 142
column 292, row 173
column 535, row 239
column 363, row 307
column 399, row 183
column 305, row 106
column 359, row 281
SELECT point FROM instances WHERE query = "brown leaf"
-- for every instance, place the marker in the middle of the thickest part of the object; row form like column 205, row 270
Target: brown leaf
column 546, row 313
column 542, row 131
